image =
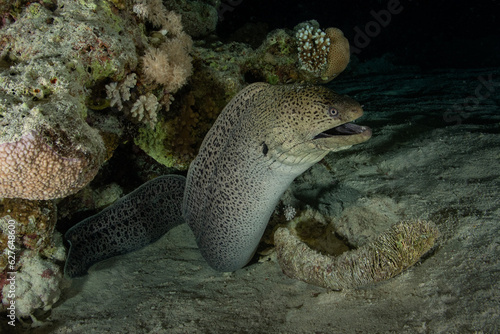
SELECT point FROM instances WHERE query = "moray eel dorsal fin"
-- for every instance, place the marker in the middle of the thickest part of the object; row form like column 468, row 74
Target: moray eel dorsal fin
column 263, row 139
column 132, row 222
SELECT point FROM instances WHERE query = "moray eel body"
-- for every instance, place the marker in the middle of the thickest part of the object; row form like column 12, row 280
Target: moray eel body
column 263, row 139
column 132, row 222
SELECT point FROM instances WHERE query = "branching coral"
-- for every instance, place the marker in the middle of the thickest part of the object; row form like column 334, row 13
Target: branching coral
column 173, row 142
column 145, row 108
column 313, row 47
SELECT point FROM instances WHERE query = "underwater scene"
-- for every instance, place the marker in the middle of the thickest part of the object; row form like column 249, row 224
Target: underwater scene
column 249, row 166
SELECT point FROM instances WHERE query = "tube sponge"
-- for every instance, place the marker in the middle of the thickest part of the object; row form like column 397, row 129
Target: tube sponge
column 388, row 255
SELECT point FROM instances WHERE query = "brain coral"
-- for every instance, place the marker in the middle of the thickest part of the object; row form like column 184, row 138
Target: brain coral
column 31, row 169
column 46, row 149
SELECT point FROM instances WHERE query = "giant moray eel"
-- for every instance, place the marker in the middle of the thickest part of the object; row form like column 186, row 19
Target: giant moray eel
column 263, row 139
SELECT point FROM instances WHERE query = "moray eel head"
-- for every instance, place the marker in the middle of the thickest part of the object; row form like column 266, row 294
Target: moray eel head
column 312, row 121
column 336, row 132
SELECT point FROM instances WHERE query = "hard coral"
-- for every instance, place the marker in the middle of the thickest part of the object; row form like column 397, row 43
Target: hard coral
column 338, row 55
column 37, row 250
column 310, row 55
column 31, row 169
column 323, row 53
column 47, row 150
column 313, row 47
column 37, row 284
column 144, row 109
column 34, row 226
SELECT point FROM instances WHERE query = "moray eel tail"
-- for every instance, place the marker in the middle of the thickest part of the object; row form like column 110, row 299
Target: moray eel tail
column 132, row 222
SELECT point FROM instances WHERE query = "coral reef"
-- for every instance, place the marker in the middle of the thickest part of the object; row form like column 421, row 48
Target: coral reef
column 307, row 54
column 58, row 59
column 38, row 285
column 388, row 255
column 43, row 94
column 30, row 249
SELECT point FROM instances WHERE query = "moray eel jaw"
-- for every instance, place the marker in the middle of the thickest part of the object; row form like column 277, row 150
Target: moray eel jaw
column 341, row 137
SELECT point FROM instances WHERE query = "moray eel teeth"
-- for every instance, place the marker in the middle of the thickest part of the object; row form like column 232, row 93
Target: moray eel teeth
column 347, row 129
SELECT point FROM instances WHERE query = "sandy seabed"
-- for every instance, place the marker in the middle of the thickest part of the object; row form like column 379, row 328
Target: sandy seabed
column 422, row 162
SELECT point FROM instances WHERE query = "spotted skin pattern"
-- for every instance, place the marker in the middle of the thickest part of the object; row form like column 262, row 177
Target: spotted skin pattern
column 264, row 138
column 132, row 222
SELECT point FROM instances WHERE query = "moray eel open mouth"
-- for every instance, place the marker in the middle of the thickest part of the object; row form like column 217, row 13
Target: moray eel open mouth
column 347, row 129
column 341, row 137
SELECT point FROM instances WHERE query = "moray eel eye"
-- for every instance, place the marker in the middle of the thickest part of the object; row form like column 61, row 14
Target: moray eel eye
column 333, row 112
